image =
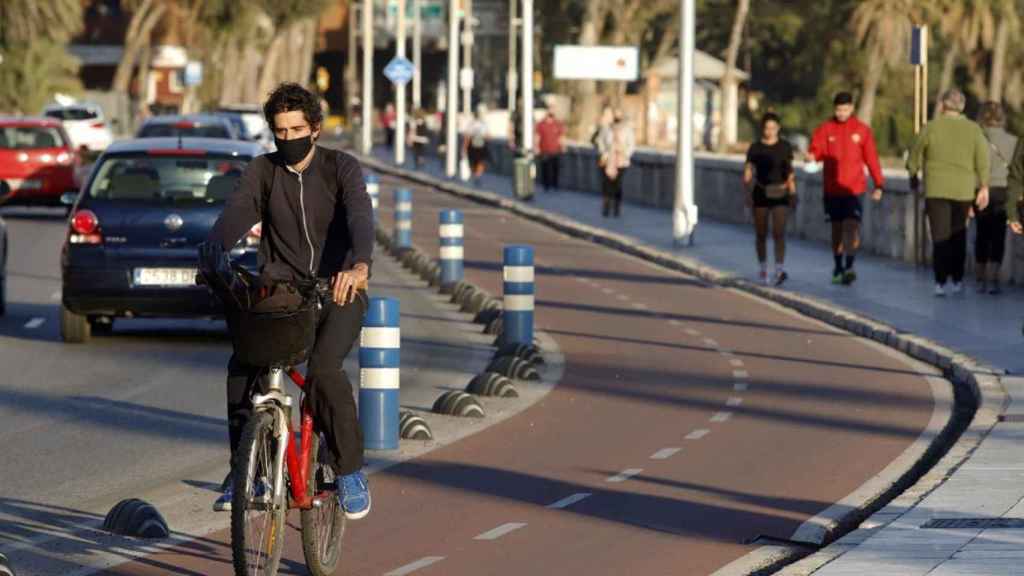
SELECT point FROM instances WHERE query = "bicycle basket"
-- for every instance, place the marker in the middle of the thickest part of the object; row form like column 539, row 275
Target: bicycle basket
column 282, row 338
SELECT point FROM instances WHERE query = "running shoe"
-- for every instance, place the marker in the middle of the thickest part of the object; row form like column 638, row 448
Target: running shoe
column 849, row 277
column 354, row 494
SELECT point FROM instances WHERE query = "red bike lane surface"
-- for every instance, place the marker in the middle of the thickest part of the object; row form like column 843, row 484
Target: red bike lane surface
column 689, row 421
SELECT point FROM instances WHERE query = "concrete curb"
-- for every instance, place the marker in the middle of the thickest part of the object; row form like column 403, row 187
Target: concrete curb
column 978, row 392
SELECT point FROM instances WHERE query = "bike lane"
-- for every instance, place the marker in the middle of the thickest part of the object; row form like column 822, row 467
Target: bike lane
column 690, row 420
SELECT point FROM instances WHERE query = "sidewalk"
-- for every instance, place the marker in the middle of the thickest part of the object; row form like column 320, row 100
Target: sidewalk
column 989, row 484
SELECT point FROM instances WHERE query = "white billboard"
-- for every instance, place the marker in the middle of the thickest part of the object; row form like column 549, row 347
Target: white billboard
column 597, row 63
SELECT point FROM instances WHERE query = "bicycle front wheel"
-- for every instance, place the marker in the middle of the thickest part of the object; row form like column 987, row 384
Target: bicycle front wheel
column 257, row 513
column 323, row 527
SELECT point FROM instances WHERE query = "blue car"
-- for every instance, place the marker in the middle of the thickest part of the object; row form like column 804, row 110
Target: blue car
column 134, row 227
column 194, row 125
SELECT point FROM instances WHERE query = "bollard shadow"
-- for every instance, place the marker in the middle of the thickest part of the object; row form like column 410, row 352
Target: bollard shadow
column 666, row 279
column 653, row 314
column 117, row 416
column 57, row 539
column 673, row 515
column 663, row 388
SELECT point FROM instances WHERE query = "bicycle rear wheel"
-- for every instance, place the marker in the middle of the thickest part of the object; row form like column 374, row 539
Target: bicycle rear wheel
column 324, row 527
column 257, row 514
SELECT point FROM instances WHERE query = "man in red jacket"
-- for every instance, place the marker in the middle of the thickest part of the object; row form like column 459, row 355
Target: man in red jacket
column 845, row 145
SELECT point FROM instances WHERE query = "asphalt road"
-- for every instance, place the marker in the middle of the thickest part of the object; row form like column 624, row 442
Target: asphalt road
column 690, row 421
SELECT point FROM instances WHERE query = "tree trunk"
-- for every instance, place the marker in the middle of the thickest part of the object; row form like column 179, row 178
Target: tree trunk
column 587, row 107
column 976, row 71
column 869, row 88
column 948, row 69
column 268, row 74
column 142, row 103
column 307, row 33
column 997, row 79
column 230, row 88
column 143, row 21
column 729, row 82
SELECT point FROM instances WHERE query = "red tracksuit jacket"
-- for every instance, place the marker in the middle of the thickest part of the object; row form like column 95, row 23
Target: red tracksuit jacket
column 844, row 148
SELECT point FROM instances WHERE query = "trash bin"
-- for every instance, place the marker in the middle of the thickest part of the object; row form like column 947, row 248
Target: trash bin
column 525, row 173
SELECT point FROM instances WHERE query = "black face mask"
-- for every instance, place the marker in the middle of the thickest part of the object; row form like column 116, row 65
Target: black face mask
column 295, row 150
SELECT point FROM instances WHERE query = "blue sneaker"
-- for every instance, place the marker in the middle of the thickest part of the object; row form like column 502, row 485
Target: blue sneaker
column 354, row 494
column 223, row 504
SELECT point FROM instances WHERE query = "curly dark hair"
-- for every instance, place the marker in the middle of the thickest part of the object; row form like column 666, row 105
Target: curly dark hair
column 288, row 97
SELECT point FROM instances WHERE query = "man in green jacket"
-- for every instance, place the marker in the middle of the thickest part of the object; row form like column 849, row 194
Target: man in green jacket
column 953, row 153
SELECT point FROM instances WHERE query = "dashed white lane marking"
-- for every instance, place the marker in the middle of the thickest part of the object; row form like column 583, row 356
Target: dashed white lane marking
column 500, row 531
column 55, row 296
column 414, row 566
column 675, row 322
column 570, row 500
column 726, row 352
column 734, row 402
column 639, row 306
column 582, row 280
column 741, row 387
column 692, row 332
column 698, row 434
column 736, row 362
column 622, row 297
column 34, row 323
column 721, row 416
column 710, row 342
column 740, row 374
column 665, row 453
column 625, row 475
column 607, row 291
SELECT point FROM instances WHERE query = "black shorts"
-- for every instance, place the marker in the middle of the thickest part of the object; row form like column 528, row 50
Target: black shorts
column 841, row 208
column 478, row 155
column 761, row 200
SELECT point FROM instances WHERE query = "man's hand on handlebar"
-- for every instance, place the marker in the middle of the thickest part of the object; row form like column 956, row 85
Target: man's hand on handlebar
column 345, row 284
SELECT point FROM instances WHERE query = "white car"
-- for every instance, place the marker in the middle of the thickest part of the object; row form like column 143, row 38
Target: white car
column 84, row 124
column 251, row 123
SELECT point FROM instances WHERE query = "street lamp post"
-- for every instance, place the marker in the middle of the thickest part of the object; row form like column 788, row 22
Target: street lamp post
column 450, row 106
column 467, row 58
column 684, row 211
column 400, row 90
column 417, row 55
column 527, row 76
column 367, row 103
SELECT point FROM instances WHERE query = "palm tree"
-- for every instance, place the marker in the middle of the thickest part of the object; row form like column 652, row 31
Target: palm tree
column 146, row 14
column 884, row 28
column 24, row 21
column 1008, row 26
column 729, row 83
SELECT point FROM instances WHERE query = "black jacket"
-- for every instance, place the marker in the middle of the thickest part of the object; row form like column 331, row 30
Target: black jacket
column 315, row 224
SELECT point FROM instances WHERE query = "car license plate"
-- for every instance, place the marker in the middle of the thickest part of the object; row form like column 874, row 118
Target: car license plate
column 165, row 276
column 19, row 184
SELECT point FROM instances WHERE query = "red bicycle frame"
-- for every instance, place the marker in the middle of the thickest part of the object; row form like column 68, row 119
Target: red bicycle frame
column 298, row 459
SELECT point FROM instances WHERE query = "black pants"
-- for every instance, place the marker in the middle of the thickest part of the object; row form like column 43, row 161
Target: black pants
column 948, row 221
column 549, row 171
column 611, row 190
column 329, row 390
column 990, row 245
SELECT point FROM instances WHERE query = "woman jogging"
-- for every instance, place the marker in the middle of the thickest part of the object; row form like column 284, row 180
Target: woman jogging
column 771, row 189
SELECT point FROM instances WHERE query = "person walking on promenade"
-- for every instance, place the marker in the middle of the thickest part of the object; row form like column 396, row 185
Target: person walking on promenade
column 990, row 244
column 845, row 145
column 770, row 190
column 551, row 146
column 388, row 118
column 954, row 155
column 616, row 144
column 475, row 143
column 418, row 136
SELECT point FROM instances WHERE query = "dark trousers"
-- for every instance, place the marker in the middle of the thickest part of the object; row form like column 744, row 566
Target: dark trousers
column 948, row 222
column 549, row 171
column 329, row 390
column 990, row 245
column 611, row 190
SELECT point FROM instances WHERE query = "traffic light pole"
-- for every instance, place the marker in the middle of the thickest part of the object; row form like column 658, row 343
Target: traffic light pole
column 400, row 90
column 367, row 103
column 684, row 211
column 450, row 104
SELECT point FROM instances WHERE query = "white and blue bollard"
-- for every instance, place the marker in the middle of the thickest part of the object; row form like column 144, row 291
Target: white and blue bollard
column 373, row 189
column 519, row 293
column 403, row 218
column 379, row 362
column 451, row 235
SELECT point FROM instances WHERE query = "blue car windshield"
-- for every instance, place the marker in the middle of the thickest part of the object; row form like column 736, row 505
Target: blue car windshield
column 172, row 178
column 159, row 130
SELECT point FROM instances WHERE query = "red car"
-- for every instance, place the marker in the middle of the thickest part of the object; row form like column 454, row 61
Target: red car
column 37, row 162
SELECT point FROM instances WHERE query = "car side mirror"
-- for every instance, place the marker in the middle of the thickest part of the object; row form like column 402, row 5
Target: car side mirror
column 68, row 198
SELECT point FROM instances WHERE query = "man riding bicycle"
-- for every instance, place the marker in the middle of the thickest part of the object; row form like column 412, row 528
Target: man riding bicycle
column 317, row 225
